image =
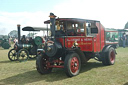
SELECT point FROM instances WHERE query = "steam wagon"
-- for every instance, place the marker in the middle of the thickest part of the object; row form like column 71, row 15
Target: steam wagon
column 72, row 43
column 25, row 49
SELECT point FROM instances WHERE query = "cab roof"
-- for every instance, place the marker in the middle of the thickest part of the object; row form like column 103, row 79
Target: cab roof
column 72, row 20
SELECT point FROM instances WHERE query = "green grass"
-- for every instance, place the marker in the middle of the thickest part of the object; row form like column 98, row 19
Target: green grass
column 93, row 73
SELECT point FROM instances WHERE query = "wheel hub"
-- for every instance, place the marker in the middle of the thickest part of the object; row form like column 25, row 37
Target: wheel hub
column 74, row 65
column 22, row 55
column 112, row 56
column 14, row 54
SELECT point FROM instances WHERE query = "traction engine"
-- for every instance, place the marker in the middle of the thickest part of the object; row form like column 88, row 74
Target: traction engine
column 25, row 48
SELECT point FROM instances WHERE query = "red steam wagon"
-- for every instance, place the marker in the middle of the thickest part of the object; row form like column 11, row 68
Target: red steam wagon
column 72, row 43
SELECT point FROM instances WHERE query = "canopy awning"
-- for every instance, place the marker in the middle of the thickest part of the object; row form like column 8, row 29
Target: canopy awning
column 28, row 28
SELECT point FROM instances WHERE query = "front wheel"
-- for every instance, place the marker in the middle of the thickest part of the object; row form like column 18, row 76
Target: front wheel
column 41, row 64
column 12, row 55
column 72, row 64
column 109, row 57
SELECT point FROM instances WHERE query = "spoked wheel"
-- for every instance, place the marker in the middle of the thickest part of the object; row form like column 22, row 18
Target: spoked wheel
column 32, row 56
column 109, row 57
column 12, row 55
column 41, row 64
column 22, row 55
column 72, row 64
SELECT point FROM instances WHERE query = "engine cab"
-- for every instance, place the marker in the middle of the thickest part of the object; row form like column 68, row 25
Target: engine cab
column 87, row 33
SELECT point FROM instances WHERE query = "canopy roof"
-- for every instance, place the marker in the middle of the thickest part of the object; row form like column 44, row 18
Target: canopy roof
column 110, row 29
column 72, row 20
column 28, row 28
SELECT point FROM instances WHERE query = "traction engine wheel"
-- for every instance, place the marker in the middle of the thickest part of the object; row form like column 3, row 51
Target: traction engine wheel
column 109, row 57
column 22, row 55
column 41, row 64
column 72, row 64
column 12, row 55
column 32, row 56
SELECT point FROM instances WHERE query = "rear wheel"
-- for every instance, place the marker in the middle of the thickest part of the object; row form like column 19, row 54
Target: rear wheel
column 41, row 64
column 22, row 55
column 72, row 64
column 12, row 55
column 109, row 57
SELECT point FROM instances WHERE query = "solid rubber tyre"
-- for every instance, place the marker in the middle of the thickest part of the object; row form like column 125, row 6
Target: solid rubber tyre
column 72, row 64
column 109, row 56
column 41, row 65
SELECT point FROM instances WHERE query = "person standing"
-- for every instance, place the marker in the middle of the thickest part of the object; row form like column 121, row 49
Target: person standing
column 15, row 40
column 127, row 40
column 124, row 39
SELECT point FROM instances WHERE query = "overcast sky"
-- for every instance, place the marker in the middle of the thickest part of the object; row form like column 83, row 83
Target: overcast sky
column 111, row 13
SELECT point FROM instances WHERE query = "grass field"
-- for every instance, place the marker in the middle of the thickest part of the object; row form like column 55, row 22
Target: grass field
column 93, row 73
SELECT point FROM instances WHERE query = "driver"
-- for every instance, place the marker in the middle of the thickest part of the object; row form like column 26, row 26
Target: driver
column 23, row 39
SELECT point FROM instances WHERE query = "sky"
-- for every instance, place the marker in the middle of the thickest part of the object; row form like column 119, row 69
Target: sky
column 111, row 13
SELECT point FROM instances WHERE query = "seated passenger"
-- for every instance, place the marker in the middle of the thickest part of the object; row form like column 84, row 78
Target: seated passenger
column 69, row 26
column 88, row 30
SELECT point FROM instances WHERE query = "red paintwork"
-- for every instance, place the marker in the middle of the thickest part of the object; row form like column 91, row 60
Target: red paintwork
column 55, row 66
column 85, row 43
column 74, row 65
column 90, row 44
column 100, row 38
column 112, row 56
column 58, row 61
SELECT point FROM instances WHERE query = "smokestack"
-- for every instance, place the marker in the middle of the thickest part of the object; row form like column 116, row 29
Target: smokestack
column 52, row 24
column 18, row 28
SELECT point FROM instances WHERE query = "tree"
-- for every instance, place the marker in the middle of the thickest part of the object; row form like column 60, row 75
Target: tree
column 126, row 26
column 13, row 33
column 31, row 35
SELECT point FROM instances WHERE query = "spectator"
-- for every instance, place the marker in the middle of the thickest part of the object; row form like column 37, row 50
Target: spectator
column 124, row 39
column 10, row 39
column 15, row 40
column 127, row 39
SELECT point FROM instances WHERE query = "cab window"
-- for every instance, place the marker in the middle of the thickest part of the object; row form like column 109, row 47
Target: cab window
column 91, row 29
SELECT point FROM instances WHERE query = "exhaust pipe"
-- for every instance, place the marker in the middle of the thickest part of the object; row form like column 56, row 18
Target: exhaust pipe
column 18, row 28
column 52, row 24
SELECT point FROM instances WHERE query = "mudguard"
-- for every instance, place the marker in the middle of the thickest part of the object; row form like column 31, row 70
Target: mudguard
column 82, row 56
